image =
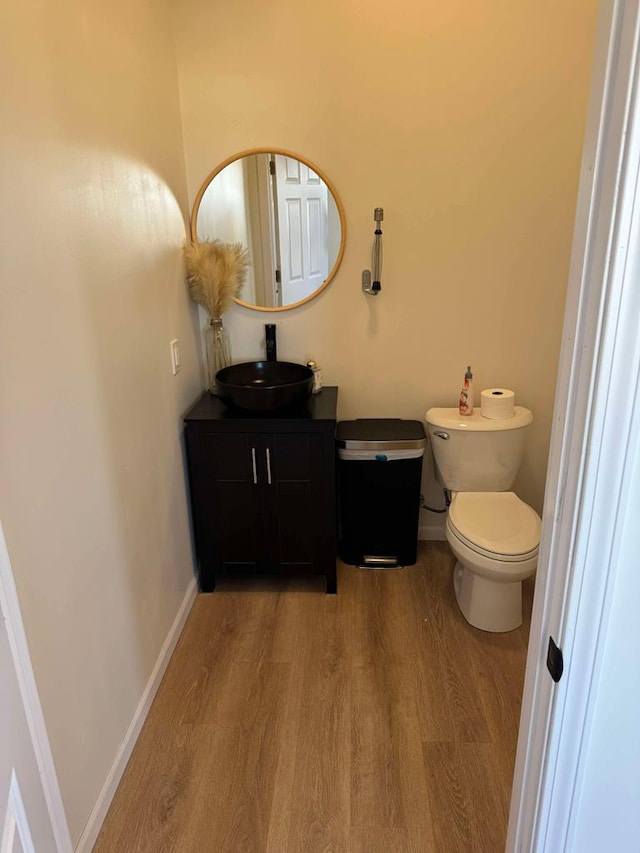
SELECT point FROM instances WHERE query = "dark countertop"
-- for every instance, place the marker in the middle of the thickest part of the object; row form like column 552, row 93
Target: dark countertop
column 319, row 407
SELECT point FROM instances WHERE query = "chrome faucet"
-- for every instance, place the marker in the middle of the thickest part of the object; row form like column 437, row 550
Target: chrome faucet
column 270, row 341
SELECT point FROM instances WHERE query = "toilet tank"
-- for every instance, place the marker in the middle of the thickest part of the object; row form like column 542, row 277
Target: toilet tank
column 474, row 453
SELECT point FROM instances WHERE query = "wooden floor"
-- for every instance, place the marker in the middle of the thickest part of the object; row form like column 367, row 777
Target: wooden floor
column 374, row 721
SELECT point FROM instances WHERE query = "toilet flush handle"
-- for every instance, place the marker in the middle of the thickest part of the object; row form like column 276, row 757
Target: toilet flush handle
column 444, row 435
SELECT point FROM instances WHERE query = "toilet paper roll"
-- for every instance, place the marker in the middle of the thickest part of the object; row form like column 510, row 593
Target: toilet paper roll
column 497, row 403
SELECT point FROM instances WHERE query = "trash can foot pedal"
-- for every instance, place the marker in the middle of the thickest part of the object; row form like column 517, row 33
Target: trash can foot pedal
column 371, row 562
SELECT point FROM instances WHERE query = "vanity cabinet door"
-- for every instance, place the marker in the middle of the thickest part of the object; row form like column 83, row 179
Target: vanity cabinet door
column 228, row 509
column 293, row 502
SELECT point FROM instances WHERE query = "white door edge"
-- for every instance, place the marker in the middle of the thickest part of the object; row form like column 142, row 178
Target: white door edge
column 593, row 424
column 10, row 607
column 16, row 821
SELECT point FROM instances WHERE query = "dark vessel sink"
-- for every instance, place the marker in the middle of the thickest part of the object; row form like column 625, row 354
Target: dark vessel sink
column 264, row 386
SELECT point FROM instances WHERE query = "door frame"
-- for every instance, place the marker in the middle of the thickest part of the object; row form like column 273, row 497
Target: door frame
column 595, row 428
column 10, row 608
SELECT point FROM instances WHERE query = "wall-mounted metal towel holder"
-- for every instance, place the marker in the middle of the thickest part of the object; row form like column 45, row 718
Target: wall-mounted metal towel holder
column 373, row 287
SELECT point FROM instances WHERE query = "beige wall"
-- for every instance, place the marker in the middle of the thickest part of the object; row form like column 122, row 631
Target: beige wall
column 92, row 492
column 464, row 121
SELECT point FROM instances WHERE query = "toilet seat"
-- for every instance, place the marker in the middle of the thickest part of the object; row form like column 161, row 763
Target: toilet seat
column 496, row 525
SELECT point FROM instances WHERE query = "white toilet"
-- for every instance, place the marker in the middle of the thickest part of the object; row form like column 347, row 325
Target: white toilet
column 494, row 535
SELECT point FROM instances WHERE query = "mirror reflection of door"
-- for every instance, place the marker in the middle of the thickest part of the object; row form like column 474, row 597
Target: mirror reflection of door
column 301, row 205
column 285, row 213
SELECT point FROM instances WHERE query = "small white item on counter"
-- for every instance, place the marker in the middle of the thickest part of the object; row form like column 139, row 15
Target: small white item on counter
column 317, row 376
column 497, row 403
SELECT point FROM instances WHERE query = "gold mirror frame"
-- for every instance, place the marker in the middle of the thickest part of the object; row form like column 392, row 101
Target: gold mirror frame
column 330, row 187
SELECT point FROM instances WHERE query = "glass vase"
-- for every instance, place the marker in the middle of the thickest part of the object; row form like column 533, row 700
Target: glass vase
column 218, row 349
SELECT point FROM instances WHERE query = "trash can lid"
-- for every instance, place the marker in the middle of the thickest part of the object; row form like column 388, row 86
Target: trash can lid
column 380, row 434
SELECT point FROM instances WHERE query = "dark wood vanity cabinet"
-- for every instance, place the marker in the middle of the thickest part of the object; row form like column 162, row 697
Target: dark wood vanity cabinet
column 263, row 489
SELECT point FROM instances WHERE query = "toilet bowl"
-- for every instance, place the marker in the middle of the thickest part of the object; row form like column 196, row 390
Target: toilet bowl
column 495, row 538
column 493, row 534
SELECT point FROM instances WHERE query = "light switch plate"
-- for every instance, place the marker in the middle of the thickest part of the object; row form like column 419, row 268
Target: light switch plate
column 175, row 356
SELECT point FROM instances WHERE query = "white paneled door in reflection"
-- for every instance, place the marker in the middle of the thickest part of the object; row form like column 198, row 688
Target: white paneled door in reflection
column 302, row 228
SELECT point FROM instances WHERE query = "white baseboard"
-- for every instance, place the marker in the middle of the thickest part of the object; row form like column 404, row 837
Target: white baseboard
column 432, row 529
column 99, row 811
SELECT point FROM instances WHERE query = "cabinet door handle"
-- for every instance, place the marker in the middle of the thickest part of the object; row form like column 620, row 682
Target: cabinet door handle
column 253, row 462
column 268, row 466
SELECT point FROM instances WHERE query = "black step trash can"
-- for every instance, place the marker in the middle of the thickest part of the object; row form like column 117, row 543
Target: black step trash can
column 379, row 476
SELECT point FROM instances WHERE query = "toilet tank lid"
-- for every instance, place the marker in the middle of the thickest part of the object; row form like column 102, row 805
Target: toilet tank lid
column 453, row 420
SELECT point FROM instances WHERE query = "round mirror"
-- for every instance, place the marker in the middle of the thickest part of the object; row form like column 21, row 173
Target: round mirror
column 286, row 212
